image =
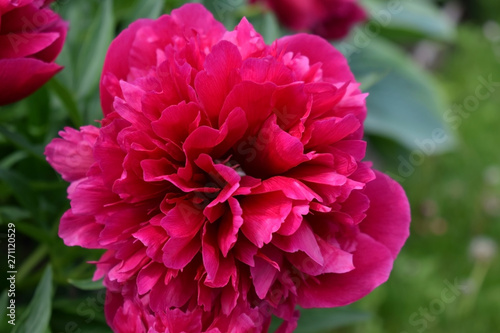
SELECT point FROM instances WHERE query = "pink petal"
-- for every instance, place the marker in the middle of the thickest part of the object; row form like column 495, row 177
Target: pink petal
column 175, row 293
column 25, row 44
column 175, row 122
column 263, row 215
column 183, row 221
column 80, row 230
column 291, row 188
column 250, row 43
column 72, row 155
column 148, row 277
column 327, row 131
column 116, row 63
column 263, row 276
column 334, row 260
column 257, row 110
column 388, row 218
column 373, row 263
column 302, row 240
column 277, row 151
column 177, row 320
column 229, row 227
column 318, row 50
column 154, row 238
column 216, row 81
column 20, row 77
column 210, row 252
column 196, row 18
column 178, row 252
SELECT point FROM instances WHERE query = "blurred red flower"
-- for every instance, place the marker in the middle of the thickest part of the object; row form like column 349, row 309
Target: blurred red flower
column 331, row 19
column 31, row 37
column 226, row 182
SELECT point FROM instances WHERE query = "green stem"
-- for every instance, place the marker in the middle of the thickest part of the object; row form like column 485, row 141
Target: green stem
column 477, row 277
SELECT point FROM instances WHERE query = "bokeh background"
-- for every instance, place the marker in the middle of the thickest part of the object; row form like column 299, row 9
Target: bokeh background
column 433, row 73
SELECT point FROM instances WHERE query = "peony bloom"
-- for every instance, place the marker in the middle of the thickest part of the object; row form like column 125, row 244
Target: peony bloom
column 331, row 19
column 31, row 37
column 226, row 181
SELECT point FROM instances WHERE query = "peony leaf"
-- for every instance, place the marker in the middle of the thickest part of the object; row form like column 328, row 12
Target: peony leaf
column 417, row 18
column 325, row 320
column 318, row 320
column 226, row 12
column 406, row 103
column 269, row 27
column 145, row 9
column 87, row 284
column 35, row 319
column 21, row 189
column 21, row 142
column 67, row 100
column 3, row 310
column 94, row 48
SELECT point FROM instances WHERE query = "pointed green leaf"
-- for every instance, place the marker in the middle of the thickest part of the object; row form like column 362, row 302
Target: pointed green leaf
column 94, row 48
column 87, row 284
column 4, row 325
column 321, row 320
column 21, row 189
column 36, row 317
column 145, row 9
column 21, row 142
column 324, row 320
column 270, row 28
column 67, row 100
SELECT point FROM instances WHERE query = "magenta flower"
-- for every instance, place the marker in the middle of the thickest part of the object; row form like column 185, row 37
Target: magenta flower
column 331, row 19
column 31, row 37
column 226, row 181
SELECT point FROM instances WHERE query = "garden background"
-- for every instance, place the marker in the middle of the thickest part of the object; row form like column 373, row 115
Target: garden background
column 432, row 69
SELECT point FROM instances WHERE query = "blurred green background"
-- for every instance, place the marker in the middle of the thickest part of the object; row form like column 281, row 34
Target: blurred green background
column 422, row 67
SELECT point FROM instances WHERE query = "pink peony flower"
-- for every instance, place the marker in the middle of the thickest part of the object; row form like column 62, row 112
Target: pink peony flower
column 331, row 19
column 31, row 37
column 226, row 182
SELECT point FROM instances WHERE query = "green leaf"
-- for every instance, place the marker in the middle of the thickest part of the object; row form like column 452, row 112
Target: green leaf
column 370, row 80
column 21, row 142
column 94, row 48
column 270, row 27
column 319, row 320
column 415, row 17
column 34, row 232
column 406, row 104
column 67, row 100
column 37, row 315
column 325, row 320
column 3, row 311
column 227, row 12
column 87, row 284
column 21, row 188
column 13, row 213
column 145, row 9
